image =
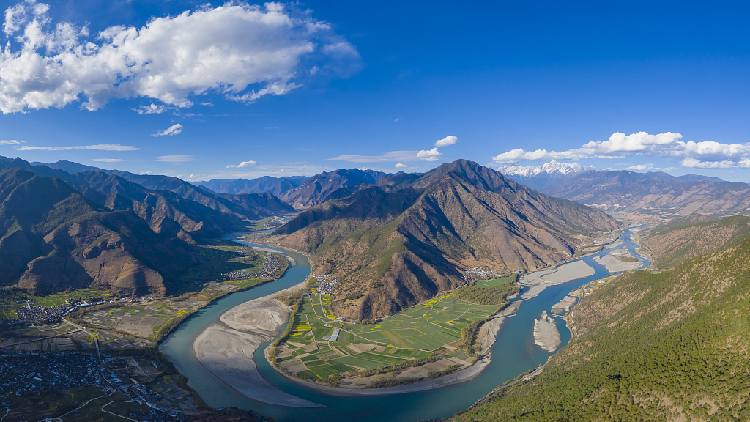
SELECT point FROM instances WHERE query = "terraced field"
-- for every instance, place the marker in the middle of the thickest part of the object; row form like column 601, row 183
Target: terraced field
column 415, row 333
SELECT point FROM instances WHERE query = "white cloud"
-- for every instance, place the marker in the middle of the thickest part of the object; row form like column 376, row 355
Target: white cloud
column 400, row 165
column 723, row 164
column 276, row 88
column 151, row 109
column 429, row 155
column 100, row 147
column 243, row 164
column 175, row 158
column 398, row 156
column 619, row 145
column 647, row 166
column 10, row 142
column 448, row 140
column 388, row 156
column 227, row 49
column 171, row 131
column 108, row 160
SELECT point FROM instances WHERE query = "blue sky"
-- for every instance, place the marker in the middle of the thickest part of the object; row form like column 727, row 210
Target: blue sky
column 189, row 88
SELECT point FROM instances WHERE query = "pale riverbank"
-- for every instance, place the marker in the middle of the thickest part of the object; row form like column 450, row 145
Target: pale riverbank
column 540, row 280
column 614, row 264
column 227, row 351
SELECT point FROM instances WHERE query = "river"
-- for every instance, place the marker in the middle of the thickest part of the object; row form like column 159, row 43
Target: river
column 514, row 352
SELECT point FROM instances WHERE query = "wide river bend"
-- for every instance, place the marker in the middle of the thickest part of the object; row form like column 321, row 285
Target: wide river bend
column 514, row 352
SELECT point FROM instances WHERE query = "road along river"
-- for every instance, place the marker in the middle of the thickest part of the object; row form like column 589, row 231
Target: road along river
column 514, row 352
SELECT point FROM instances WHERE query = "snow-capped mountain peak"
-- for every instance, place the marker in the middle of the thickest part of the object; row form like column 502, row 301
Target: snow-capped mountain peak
column 552, row 168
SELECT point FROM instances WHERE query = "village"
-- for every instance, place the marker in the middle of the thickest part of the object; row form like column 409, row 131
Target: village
column 271, row 266
column 25, row 374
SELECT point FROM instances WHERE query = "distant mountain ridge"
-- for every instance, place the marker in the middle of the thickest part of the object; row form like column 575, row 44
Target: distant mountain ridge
column 539, row 177
column 631, row 191
column 161, row 199
column 266, row 184
column 318, row 188
column 410, row 236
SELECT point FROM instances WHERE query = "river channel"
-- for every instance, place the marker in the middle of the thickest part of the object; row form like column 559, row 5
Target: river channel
column 514, row 352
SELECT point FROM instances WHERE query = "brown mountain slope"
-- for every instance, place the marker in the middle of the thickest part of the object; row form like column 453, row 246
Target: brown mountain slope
column 52, row 238
column 392, row 248
column 673, row 244
column 167, row 203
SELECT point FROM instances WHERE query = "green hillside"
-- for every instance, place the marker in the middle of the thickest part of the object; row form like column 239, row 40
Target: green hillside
column 671, row 346
column 675, row 243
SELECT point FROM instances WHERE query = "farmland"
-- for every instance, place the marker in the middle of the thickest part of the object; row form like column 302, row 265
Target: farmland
column 427, row 334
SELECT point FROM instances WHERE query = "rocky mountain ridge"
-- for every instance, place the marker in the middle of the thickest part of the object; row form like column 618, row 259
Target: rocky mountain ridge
column 52, row 238
column 409, row 237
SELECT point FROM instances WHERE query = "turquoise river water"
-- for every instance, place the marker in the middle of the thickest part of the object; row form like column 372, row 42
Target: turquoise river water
column 514, row 352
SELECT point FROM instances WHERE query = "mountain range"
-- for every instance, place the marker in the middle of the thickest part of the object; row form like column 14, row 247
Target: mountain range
column 160, row 199
column 539, row 177
column 631, row 191
column 276, row 186
column 53, row 238
column 408, row 237
column 634, row 192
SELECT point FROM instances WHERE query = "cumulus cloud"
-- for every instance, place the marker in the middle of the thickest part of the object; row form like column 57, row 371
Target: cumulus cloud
column 665, row 145
column 429, row 155
column 175, row 158
column 448, row 140
column 400, row 165
column 647, row 166
column 108, row 160
column 723, row 164
column 243, row 164
column 151, row 109
column 100, row 147
column 240, row 50
column 171, row 131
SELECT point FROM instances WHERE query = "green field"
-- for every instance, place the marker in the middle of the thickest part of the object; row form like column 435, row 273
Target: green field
column 415, row 333
column 495, row 282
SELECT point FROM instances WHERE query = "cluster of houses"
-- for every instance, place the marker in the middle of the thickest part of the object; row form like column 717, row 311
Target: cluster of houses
column 23, row 373
column 479, row 273
column 53, row 314
column 29, row 372
column 270, row 267
column 41, row 315
column 327, row 283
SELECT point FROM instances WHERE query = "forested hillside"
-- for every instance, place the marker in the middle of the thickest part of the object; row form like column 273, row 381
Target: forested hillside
column 670, row 346
column 680, row 241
